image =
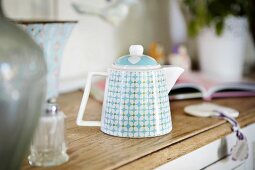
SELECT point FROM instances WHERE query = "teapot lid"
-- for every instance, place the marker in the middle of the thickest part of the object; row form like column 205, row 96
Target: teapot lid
column 136, row 59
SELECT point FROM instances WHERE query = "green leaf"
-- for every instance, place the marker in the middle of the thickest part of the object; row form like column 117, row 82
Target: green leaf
column 219, row 27
column 192, row 29
column 204, row 13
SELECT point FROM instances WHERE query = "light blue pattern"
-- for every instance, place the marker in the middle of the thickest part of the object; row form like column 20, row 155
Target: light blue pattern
column 144, row 61
column 52, row 38
column 134, row 107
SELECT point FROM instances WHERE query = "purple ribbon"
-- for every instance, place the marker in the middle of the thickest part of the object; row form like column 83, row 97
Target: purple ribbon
column 233, row 122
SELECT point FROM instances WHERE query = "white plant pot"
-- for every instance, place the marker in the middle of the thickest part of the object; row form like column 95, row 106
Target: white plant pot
column 223, row 56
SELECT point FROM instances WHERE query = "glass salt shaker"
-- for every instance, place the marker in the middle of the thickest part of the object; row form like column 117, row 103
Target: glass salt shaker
column 48, row 147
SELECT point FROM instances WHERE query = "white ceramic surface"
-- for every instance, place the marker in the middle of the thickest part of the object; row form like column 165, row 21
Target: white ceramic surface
column 223, row 56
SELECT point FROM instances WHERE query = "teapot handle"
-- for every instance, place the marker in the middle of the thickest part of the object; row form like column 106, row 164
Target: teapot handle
column 79, row 120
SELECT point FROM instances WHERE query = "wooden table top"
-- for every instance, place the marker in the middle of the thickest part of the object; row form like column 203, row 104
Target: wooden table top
column 89, row 148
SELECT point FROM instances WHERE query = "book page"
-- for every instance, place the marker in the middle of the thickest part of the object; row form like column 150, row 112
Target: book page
column 209, row 85
column 197, row 79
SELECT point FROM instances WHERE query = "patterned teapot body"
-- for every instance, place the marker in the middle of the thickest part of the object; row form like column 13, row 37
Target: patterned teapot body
column 136, row 102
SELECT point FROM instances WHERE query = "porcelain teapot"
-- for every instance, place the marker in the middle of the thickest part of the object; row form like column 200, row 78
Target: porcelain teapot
column 136, row 102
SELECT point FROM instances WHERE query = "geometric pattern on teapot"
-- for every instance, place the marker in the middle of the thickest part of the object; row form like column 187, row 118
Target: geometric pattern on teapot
column 136, row 104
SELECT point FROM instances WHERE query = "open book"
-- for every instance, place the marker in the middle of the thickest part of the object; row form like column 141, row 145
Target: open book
column 197, row 85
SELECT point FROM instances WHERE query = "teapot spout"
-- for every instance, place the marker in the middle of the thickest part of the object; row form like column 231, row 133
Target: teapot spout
column 172, row 74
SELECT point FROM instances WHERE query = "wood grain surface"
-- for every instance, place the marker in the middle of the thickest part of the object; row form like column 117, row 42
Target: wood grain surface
column 89, row 148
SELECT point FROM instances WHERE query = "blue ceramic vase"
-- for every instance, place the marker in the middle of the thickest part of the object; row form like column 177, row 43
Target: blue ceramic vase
column 51, row 37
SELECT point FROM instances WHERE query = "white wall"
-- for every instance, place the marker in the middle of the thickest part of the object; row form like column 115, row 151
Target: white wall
column 94, row 43
column 30, row 9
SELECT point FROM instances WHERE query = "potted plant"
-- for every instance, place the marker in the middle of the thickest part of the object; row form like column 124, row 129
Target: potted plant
column 221, row 28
